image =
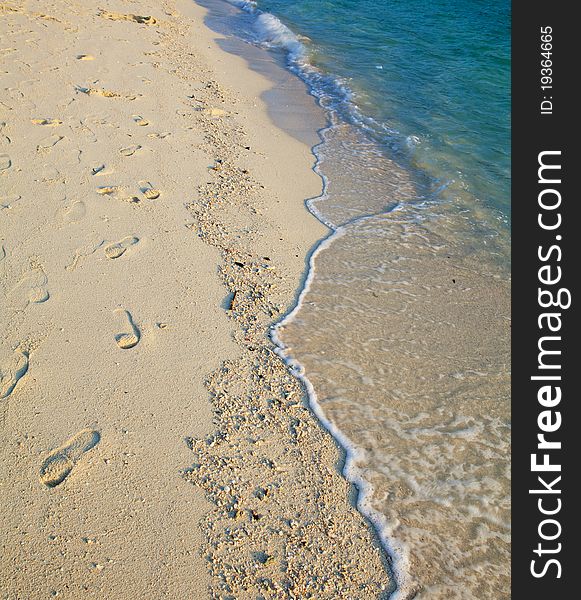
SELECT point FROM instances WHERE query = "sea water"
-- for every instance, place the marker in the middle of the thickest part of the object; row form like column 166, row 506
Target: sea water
column 401, row 333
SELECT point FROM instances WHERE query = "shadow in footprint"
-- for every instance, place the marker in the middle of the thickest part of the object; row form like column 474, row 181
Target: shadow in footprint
column 148, row 190
column 47, row 122
column 140, row 120
column 11, row 372
column 32, row 288
column 126, row 340
column 60, row 462
column 117, row 249
column 118, row 192
column 5, row 162
column 130, row 150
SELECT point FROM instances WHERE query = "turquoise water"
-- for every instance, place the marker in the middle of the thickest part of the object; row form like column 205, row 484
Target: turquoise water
column 432, row 80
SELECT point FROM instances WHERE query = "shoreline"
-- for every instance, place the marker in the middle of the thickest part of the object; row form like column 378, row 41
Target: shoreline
column 278, row 519
column 361, row 490
column 402, row 504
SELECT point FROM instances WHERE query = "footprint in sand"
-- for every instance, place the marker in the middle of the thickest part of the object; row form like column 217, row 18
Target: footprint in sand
column 7, row 202
column 112, row 16
column 84, row 252
column 72, row 213
column 130, row 150
column 33, row 286
column 98, row 92
column 49, row 143
column 108, row 190
column 47, row 122
column 60, row 462
column 116, row 191
column 127, row 340
column 38, row 295
column 117, row 249
column 89, row 91
column 148, row 190
column 5, row 162
column 140, row 120
column 11, row 371
column 4, row 139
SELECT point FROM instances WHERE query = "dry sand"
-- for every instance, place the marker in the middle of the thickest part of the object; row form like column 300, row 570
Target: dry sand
column 152, row 228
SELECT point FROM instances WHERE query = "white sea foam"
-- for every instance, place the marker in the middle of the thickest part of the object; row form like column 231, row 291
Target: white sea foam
column 272, row 32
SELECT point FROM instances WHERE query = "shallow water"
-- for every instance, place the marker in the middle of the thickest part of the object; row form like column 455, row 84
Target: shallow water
column 404, row 338
column 402, row 333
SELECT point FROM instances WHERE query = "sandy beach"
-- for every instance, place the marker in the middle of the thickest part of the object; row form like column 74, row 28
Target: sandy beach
column 152, row 229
